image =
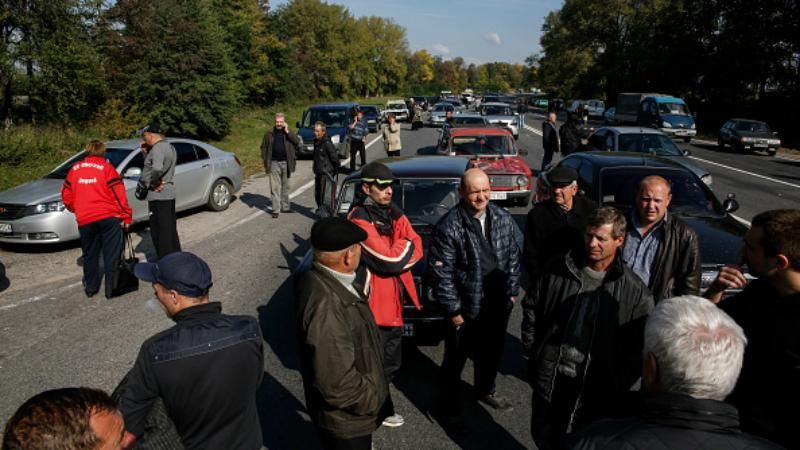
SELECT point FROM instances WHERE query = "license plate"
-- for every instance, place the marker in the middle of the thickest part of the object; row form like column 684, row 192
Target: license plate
column 681, row 132
column 497, row 196
column 408, row 329
column 5, row 228
column 761, row 145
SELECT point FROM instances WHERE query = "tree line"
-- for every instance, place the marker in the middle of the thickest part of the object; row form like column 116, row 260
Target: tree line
column 726, row 57
column 195, row 63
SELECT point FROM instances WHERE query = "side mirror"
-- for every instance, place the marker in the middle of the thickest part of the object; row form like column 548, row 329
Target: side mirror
column 730, row 204
column 516, row 114
column 297, row 124
column 686, row 152
column 133, row 172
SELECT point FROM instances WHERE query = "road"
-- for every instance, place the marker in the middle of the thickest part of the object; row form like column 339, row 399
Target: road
column 53, row 336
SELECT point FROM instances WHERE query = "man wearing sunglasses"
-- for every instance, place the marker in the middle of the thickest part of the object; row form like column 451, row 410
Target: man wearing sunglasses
column 392, row 247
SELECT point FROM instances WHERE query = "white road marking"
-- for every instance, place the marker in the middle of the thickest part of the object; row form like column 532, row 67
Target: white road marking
column 533, row 130
column 734, row 169
column 48, row 296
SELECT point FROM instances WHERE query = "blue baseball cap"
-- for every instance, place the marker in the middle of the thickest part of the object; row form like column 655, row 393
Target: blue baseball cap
column 183, row 272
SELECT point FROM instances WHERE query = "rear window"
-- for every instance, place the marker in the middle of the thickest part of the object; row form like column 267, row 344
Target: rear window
column 648, row 143
column 334, row 118
column 753, row 127
column 483, row 145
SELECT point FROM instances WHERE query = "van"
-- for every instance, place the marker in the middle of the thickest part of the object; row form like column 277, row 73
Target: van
column 670, row 115
column 337, row 118
column 628, row 104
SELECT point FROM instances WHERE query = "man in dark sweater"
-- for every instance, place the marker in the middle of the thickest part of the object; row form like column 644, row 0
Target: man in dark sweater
column 278, row 150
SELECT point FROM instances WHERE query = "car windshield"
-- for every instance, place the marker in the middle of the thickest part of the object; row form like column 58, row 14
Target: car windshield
column 753, row 127
column 648, row 143
column 690, row 196
column 673, row 108
column 113, row 155
column 443, row 108
column 422, row 200
column 469, row 120
column 482, row 145
column 369, row 110
column 396, row 106
column 334, row 118
column 492, row 110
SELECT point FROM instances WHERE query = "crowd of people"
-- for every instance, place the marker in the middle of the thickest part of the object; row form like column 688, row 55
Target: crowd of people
column 623, row 348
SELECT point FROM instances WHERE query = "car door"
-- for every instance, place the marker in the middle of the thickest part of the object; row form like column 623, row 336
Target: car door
column 188, row 176
column 207, row 174
column 131, row 178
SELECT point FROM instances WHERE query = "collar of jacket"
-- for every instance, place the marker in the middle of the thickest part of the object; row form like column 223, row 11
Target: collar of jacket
column 466, row 216
column 341, row 292
column 573, row 264
column 322, row 140
column 199, row 312
column 684, row 411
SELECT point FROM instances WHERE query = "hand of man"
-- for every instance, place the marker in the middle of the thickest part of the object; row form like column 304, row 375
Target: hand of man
column 159, row 188
column 729, row 277
column 126, row 226
column 513, row 300
column 457, row 320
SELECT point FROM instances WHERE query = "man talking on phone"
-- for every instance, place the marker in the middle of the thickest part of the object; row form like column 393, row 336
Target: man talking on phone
column 278, row 151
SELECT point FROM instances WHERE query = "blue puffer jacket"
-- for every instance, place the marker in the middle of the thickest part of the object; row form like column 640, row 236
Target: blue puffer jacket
column 454, row 262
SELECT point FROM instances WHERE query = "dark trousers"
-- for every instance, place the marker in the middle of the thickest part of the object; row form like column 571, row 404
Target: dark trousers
column 482, row 338
column 164, row 227
column 357, row 146
column 104, row 236
column 330, row 442
column 548, row 157
column 392, row 338
column 319, row 188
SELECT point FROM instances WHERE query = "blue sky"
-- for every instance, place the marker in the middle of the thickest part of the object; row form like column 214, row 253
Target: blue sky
column 479, row 31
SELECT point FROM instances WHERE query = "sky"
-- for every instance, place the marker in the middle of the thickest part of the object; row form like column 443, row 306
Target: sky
column 479, row 31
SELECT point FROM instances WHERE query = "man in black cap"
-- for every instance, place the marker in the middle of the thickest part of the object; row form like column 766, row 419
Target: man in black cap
column 157, row 177
column 205, row 369
column 340, row 346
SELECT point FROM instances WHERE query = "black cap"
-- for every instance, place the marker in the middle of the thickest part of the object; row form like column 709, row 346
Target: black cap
column 153, row 127
column 183, row 272
column 332, row 234
column 561, row 175
column 376, row 173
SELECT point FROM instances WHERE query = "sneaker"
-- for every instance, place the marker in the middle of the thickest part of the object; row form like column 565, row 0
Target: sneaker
column 497, row 402
column 393, row 421
column 287, row 211
column 274, row 215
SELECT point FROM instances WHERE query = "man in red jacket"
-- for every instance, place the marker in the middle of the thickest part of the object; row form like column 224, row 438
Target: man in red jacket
column 94, row 191
column 392, row 247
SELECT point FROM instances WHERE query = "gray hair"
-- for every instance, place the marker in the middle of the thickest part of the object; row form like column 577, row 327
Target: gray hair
column 698, row 348
column 280, row 115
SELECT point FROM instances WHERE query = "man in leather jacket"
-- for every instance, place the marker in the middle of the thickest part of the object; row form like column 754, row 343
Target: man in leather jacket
column 326, row 161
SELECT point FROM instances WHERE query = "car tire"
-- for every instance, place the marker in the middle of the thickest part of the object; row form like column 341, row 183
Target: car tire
column 771, row 152
column 687, row 140
column 220, row 196
column 720, row 143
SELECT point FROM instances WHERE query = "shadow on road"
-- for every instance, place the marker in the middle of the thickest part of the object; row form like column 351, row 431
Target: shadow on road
column 4, row 282
column 256, row 201
column 418, row 380
column 284, row 424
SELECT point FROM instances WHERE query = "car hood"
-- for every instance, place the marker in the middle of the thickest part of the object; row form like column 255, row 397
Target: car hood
column 507, row 164
column 689, row 164
column 678, row 119
column 501, row 118
column 720, row 238
column 33, row 192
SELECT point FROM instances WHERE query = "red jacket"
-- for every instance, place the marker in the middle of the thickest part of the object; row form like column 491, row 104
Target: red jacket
column 389, row 260
column 93, row 190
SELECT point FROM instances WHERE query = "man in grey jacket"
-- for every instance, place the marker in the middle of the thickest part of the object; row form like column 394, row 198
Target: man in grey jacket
column 157, row 175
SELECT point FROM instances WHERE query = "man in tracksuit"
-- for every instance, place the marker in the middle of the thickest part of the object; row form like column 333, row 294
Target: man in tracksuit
column 157, row 175
column 392, row 247
column 359, row 130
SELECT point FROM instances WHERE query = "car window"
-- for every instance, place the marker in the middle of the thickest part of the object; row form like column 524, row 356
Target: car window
column 423, row 200
column 201, row 152
column 497, row 110
column 185, row 151
column 598, row 141
column 334, row 118
column 673, row 108
column 753, row 127
column 469, row 120
column 113, row 155
column 586, row 179
column 482, row 145
column 610, row 140
column 136, row 161
column 656, row 144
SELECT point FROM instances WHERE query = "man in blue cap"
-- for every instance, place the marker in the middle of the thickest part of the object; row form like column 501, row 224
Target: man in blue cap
column 205, row 369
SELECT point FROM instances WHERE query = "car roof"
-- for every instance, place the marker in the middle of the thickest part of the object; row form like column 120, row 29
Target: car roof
column 332, row 105
column 667, row 99
column 747, row 120
column 136, row 143
column 422, row 167
column 626, row 159
column 495, row 104
column 631, row 130
column 477, row 131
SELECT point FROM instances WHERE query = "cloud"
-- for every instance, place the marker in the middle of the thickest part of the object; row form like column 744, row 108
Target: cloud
column 494, row 38
column 441, row 49
column 470, row 60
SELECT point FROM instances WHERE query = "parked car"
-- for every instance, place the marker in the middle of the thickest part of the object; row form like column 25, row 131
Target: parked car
column 746, row 134
column 644, row 140
column 575, row 106
column 439, row 113
column 669, row 114
column 494, row 150
column 372, row 113
column 501, row 114
column 610, row 116
column 337, row 118
column 425, row 188
column 399, row 108
column 595, row 108
column 32, row 213
column 613, row 178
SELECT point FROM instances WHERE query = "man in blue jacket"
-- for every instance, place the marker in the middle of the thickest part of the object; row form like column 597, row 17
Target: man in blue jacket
column 474, row 268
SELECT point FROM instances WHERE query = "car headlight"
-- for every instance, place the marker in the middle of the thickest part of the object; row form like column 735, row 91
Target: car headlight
column 522, row 181
column 774, row 141
column 693, row 127
column 335, row 138
column 746, row 139
column 666, row 124
column 48, row 207
column 707, row 179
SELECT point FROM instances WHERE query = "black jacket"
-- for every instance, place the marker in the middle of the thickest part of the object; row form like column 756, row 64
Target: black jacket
column 549, row 137
column 550, row 232
column 291, row 141
column 767, row 393
column 614, row 333
column 570, row 141
column 454, row 260
column 669, row 421
column 326, row 159
column 677, row 262
column 206, row 369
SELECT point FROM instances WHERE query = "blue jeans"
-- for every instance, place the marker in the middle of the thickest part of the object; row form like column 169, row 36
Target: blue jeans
column 104, row 235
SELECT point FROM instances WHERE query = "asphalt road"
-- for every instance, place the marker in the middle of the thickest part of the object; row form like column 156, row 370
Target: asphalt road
column 53, row 336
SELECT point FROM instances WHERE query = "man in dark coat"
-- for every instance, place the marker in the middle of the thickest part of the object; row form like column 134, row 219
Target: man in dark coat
column 693, row 354
column 569, row 136
column 340, row 346
column 768, row 309
column 474, row 270
column 326, row 162
column 278, row 152
column 588, row 315
column 549, row 139
column 659, row 246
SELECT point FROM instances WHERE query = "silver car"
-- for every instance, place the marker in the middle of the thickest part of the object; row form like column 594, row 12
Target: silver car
column 644, row 140
column 32, row 213
column 501, row 114
column 439, row 114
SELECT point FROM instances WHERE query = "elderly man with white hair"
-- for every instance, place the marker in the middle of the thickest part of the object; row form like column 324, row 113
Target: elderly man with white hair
column 693, row 353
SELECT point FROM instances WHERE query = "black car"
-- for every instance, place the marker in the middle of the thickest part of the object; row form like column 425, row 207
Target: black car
column 425, row 188
column 372, row 114
column 746, row 134
column 613, row 179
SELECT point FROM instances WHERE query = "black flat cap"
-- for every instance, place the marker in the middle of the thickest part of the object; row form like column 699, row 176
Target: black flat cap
column 153, row 127
column 561, row 175
column 376, row 173
column 332, row 234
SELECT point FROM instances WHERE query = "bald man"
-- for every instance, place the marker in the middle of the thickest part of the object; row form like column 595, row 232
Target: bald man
column 474, row 269
column 660, row 248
